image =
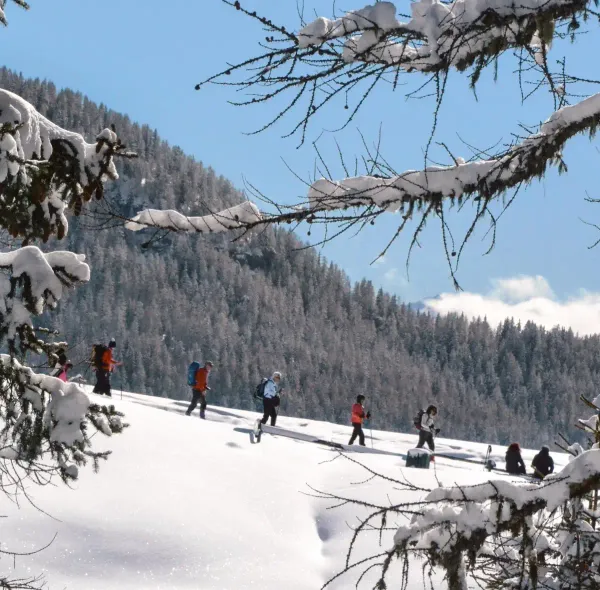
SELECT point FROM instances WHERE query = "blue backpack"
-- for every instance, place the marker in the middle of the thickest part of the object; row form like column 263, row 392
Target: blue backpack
column 192, row 370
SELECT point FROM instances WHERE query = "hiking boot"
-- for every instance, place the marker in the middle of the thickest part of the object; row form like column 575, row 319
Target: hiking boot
column 187, row 413
column 202, row 415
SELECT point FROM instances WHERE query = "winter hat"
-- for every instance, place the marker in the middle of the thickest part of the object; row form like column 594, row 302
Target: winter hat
column 360, row 399
column 545, row 449
column 112, row 343
column 277, row 374
column 514, row 447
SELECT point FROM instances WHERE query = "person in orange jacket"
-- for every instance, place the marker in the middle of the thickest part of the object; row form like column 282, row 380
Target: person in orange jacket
column 107, row 365
column 358, row 415
column 199, row 389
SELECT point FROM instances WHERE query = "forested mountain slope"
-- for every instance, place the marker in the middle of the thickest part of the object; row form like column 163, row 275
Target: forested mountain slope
column 261, row 304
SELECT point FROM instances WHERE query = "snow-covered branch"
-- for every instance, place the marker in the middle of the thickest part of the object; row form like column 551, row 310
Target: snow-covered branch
column 20, row 3
column 33, row 136
column 486, row 179
column 45, row 170
column 340, row 57
column 243, row 215
column 439, row 35
column 32, row 281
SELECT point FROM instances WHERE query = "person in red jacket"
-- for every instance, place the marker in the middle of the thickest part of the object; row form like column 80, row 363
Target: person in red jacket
column 199, row 389
column 358, row 415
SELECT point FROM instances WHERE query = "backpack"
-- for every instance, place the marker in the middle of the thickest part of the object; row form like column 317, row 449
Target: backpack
column 417, row 419
column 192, row 370
column 98, row 351
column 259, row 392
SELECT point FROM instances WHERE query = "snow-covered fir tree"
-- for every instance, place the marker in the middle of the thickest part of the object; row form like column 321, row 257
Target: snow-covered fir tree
column 46, row 173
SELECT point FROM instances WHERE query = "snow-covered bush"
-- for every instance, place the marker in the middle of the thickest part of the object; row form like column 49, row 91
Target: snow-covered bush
column 501, row 534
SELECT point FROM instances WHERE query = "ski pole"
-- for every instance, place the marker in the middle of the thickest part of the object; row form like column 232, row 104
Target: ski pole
column 371, row 430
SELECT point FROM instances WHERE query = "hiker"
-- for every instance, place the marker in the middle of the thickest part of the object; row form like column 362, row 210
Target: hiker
column 542, row 463
column 199, row 389
column 271, row 398
column 358, row 415
column 427, row 428
column 62, row 366
column 514, row 462
column 104, row 366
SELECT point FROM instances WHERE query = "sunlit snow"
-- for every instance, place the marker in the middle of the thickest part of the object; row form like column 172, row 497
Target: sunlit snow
column 189, row 503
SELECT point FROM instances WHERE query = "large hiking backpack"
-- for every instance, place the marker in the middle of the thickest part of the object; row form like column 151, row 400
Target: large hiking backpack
column 417, row 419
column 259, row 392
column 98, row 351
column 192, row 370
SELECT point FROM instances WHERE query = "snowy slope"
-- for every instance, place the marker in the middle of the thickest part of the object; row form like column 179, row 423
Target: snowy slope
column 185, row 503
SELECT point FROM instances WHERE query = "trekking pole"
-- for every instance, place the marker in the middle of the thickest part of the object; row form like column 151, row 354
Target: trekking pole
column 371, row 430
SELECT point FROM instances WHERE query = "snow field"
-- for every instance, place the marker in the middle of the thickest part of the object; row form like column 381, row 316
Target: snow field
column 189, row 503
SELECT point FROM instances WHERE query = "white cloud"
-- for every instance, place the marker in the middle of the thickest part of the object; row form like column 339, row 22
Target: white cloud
column 525, row 298
column 521, row 288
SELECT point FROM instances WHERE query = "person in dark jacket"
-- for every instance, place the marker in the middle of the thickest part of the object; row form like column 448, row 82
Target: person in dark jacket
column 358, row 415
column 542, row 463
column 271, row 398
column 428, row 429
column 514, row 462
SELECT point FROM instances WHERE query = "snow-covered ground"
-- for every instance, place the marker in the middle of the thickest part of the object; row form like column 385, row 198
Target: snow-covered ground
column 189, row 503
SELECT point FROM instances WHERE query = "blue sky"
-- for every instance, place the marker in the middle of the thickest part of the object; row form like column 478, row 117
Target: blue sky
column 144, row 58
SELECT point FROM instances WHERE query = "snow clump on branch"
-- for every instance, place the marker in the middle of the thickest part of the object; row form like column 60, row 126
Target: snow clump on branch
column 45, row 170
column 436, row 30
column 33, row 136
column 43, row 278
column 242, row 215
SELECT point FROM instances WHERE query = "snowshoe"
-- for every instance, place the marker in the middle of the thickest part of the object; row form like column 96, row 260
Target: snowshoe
column 257, row 431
